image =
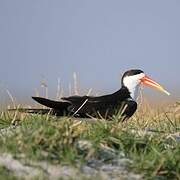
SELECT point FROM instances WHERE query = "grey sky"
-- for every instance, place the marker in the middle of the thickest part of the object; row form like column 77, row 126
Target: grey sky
column 98, row 39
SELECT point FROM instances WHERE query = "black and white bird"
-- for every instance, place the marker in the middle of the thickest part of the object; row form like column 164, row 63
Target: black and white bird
column 102, row 106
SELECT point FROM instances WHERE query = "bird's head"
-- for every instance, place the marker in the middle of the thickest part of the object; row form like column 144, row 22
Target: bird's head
column 132, row 80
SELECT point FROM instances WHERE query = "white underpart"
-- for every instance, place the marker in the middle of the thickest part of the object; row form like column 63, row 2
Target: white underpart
column 133, row 84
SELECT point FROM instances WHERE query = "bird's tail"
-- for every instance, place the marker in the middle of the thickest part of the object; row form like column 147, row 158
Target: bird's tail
column 58, row 108
column 58, row 105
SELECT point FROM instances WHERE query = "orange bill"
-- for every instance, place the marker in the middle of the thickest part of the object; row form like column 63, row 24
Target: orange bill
column 151, row 83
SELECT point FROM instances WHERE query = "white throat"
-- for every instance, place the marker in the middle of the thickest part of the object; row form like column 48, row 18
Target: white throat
column 134, row 91
column 133, row 84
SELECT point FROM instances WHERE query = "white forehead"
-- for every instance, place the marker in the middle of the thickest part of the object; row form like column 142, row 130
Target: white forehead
column 135, row 78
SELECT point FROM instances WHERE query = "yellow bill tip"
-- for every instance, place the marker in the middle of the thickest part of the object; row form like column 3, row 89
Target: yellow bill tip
column 163, row 90
column 167, row 92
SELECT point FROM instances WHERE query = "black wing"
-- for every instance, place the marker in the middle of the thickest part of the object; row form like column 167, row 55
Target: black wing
column 103, row 105
column 84, row 106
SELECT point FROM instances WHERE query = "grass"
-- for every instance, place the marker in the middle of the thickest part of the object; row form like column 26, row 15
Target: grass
column 6, row 174
column 148, row 140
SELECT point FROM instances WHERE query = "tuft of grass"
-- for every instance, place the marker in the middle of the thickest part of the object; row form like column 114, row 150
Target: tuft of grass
column 149, row 140
column 6, row 174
